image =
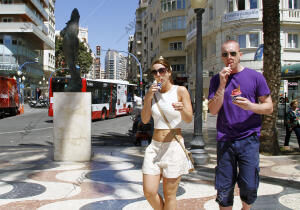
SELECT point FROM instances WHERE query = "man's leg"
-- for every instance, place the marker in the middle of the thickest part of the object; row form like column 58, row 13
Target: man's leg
column 226, row 172
column 248, row 178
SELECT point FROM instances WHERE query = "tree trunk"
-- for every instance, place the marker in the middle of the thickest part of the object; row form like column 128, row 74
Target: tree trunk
column 272, row 73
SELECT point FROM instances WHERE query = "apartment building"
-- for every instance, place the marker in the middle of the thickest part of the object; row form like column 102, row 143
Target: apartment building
column 240, row 20
column 115, row 65
column 161, row 31
column 23, row 36
column 49, row 55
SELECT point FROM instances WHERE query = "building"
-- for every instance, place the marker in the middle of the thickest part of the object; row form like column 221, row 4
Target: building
column 115, row 65
column 111, row 63
column 240, row 20
column 161, row 31
column 24, row 34
column 122, row 67
column 131, row 69
column 168, row 28
column 49, row 55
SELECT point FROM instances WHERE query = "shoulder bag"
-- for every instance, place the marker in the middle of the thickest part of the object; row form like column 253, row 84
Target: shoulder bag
column 187, row 153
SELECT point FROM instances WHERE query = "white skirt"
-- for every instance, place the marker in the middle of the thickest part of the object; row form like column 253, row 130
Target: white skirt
column 166, row 158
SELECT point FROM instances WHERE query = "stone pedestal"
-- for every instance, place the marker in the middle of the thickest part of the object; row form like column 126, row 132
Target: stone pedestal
column 72, row 126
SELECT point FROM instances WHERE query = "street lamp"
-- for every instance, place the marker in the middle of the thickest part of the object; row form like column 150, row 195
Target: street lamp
column 197, row 145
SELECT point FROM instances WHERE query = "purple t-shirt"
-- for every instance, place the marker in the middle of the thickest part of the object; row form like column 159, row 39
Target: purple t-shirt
column 234, row 123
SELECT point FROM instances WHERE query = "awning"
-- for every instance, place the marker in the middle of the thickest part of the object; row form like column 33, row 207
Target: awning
column 290, row 70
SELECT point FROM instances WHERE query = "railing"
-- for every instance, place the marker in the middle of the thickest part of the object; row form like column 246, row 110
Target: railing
column 290, row 15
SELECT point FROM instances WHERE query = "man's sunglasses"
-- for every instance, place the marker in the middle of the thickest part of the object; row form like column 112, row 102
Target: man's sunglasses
column 225, row 54
column 161, row 71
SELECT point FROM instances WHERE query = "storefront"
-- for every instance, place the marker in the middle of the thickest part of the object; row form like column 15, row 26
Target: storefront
column 290, row 76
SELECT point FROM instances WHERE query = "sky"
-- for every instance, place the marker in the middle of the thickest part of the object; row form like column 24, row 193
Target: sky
column 109, row 22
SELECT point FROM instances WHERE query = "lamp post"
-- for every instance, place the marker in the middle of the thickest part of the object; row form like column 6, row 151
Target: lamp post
column 197, row 145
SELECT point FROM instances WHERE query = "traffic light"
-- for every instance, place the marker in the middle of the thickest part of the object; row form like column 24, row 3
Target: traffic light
column 98, row 50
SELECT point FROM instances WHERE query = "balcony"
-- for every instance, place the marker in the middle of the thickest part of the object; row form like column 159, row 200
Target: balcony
column 40, row 8
column 172, row 33
column 290, row 15
column 173, row 53
column 31, row 32
column 22, row 9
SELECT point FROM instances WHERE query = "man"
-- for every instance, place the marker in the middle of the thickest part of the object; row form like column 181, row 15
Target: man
column 238, row 126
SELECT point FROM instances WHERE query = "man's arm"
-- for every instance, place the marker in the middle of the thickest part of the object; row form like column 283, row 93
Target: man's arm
column 264, row 107
column 215, row 104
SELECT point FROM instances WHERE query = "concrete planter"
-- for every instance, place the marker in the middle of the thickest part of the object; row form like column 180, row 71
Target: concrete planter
column 72, row 126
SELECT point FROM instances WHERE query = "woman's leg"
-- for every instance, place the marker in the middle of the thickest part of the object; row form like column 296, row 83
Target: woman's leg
column 150, row 187
column 170, row 189
column 287, row 136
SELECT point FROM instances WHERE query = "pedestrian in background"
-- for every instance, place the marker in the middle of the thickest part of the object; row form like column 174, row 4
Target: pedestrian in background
column 293, row 123
column 164, row 157
column 204, row 108
column 239, row 96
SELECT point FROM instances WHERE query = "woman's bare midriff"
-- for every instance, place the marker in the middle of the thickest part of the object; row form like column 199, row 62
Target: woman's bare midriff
column 166, row 135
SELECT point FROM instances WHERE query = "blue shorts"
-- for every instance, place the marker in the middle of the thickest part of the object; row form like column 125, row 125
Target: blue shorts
column 244, row 155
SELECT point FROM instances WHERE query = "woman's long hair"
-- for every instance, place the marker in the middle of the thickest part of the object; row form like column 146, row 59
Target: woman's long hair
column 166, row 64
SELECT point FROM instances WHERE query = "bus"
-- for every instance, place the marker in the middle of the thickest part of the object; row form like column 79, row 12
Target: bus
column 9, row 97
column 110, row 98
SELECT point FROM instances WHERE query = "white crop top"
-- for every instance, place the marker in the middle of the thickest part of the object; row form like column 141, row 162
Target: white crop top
column 165, row 101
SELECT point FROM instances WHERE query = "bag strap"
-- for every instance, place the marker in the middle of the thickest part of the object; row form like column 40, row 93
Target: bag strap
column 167, row 121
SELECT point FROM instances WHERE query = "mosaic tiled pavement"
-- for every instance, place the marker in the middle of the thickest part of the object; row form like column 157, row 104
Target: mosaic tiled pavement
column 29, row 179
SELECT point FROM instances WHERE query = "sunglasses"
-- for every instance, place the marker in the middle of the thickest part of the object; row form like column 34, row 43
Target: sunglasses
column 225, row 54
column 161, row 71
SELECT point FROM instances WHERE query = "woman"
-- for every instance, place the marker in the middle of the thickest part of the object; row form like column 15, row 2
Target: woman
column 293, row 120
column 164, row 157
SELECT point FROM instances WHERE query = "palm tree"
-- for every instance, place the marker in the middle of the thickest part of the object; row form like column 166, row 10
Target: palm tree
column 272, row 73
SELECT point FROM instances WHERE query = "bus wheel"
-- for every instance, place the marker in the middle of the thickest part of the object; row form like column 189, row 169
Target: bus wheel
column 103, row 114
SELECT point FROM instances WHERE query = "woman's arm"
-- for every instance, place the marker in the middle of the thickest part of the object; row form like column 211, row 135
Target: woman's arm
column 146, row 111
column 184, row 104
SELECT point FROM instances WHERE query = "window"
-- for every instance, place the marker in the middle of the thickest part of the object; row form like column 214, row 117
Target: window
column 213, row 48
column 171, row 5
column 253, row 40
column 173, row 23
column 211, row 13
column 241, row 4
column 242, row 40
column 175, row 46
column 7, row 1
column 180, row 4
column 294, row 4
column 253, row 4
column 293, row 41
column 230, row 5
column 7, row 19
column 178, row 67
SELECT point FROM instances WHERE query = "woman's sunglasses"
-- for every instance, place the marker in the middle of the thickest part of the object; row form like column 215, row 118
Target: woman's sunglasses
column 225, row 54
column 161, row 71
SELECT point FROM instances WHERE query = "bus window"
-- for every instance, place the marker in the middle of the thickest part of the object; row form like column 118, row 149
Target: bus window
column 130, row 89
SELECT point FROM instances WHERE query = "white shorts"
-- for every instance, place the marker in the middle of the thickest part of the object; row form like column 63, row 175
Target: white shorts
column 166, row 158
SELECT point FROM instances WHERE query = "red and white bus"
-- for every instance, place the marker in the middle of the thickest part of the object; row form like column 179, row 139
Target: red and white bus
column 9, row 97
column 110, row 98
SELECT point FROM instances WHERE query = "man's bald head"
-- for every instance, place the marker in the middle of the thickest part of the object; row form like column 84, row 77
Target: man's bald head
column 233, row 42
